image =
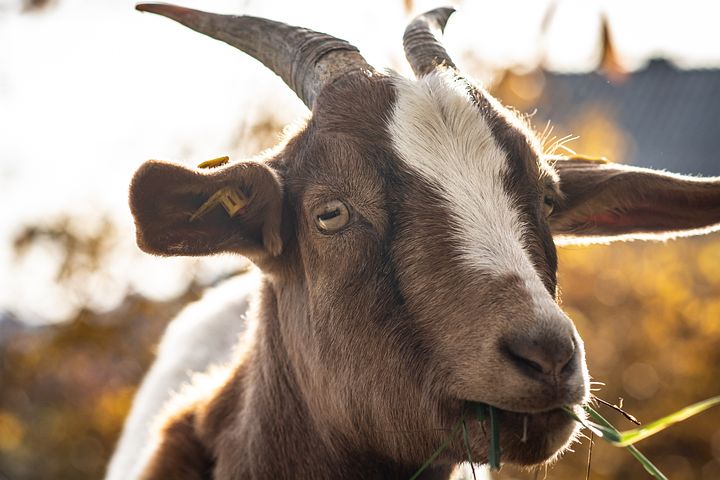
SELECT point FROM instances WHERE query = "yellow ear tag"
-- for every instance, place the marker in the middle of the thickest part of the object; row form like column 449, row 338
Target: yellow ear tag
column 215, row 162
column 231, row 199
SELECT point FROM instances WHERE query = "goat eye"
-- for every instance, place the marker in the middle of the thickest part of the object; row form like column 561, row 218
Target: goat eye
column 332, row 216
column 548, row 205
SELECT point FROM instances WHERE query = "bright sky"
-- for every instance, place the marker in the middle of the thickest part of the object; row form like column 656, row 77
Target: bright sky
column 91, row 88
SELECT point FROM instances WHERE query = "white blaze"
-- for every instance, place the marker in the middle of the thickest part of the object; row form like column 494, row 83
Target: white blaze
column 439, row 132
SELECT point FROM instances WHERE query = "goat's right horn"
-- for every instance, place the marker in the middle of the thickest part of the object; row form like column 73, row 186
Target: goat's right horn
column 304, row 59
column 423, row 50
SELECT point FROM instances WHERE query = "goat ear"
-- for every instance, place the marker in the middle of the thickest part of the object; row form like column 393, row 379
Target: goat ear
column 604, row 202
column 231, row 208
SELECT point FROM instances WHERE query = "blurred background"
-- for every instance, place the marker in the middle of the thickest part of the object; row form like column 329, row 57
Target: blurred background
column 89, row 89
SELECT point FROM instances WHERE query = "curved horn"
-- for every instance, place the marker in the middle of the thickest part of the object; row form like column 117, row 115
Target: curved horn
column 422, row 47
column 304, row 59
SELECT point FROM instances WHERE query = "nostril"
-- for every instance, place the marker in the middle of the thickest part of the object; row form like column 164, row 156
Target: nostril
column 547, row 357
column 529, row 356
column 526, row 362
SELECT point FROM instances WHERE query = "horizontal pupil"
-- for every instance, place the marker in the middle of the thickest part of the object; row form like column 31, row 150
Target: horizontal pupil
column 329, row 215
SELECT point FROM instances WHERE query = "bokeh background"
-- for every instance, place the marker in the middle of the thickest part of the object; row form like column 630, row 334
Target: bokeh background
column 90, row 88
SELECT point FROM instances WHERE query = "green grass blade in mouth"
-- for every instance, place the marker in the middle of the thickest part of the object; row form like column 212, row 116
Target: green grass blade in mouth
column 647, row 464
column 629, row 437
column 480, row 414
column 609, row 434
column 494, row 453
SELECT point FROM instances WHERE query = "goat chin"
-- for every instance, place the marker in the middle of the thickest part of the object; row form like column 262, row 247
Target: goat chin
column 548, row 436
column 201, row 336
column 526, row 439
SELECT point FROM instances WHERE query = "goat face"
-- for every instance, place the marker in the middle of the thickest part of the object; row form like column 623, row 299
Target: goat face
column 406, row 233
column 435, row 284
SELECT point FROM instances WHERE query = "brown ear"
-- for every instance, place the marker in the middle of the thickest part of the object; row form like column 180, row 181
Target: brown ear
column 232, row 208
column 605, row 202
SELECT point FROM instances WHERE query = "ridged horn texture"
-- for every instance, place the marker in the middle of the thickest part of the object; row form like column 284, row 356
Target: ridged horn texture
column 423, row 49
column 304, row 59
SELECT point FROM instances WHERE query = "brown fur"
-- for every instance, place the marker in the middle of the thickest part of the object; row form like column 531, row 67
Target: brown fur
column 371, row 341
column 164, row 196
column 606, row 199
column 190, row 458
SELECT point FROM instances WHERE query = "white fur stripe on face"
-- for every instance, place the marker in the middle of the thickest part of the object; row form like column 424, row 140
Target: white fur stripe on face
column 439, row 132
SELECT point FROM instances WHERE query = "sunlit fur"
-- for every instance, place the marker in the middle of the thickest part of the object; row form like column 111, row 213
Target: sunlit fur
column 203, row 334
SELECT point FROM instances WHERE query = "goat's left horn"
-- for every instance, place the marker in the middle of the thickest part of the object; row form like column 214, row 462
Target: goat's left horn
column 306, row 60
column 422, row 47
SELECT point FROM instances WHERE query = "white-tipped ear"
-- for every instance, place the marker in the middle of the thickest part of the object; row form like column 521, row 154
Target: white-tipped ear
column 605, row 202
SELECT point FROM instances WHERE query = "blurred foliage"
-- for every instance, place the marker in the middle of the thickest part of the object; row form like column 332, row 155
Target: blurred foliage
column 73, row 260
column 66, row 388
column 83, row 249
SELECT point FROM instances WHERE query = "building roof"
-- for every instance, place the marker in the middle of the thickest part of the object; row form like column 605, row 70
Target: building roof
column 670, row 116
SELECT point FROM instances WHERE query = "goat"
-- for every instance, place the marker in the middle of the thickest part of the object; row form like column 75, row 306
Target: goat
column 406, row 238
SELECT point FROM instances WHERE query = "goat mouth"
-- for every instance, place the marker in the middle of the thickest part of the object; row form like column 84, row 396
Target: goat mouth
column 527, row 438
column 474, row 406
